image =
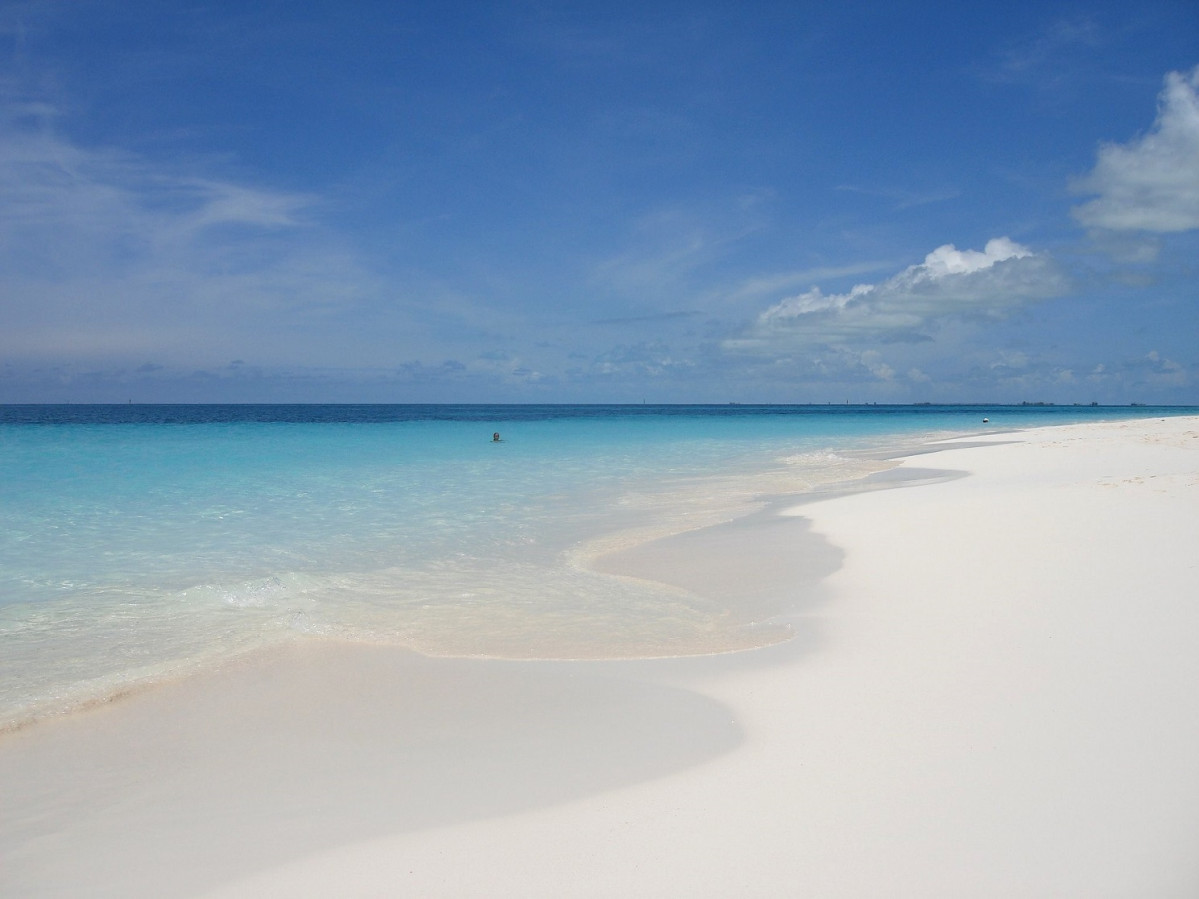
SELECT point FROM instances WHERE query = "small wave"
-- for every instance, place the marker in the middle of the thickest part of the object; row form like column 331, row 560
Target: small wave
column 256, row 594
column 271, row 592
column 826, row 457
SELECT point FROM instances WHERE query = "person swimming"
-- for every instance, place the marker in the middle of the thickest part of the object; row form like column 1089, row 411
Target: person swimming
column 495, row 438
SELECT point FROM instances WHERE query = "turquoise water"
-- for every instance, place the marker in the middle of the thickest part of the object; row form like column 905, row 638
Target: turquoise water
column 143, row 542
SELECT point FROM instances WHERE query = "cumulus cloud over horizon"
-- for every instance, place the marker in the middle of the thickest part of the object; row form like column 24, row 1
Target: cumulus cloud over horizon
column 949, row 283
column 1150, row 183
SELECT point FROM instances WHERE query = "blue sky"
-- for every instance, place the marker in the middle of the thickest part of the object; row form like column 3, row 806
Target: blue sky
column 583, row 202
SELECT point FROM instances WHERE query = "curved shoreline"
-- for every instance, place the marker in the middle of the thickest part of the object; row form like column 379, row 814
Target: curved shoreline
column 736, row 495
column 990, row 696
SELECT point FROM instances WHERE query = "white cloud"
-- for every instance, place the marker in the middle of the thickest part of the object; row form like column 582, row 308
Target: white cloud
column 873, row 360
column 949, row 284
column 1151, row 183
column 1151, row 371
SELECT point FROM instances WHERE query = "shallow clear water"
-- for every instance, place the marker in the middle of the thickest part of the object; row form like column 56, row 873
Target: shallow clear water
column 139, row 542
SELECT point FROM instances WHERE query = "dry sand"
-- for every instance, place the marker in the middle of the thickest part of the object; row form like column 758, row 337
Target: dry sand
column 993, row 695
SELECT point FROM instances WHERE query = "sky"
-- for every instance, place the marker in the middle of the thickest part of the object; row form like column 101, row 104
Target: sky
column 782, row 202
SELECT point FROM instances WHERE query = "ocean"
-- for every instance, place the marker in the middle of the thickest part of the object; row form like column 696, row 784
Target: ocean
column 141, row 543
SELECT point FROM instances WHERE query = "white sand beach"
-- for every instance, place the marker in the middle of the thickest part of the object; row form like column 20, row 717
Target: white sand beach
column 992, row 691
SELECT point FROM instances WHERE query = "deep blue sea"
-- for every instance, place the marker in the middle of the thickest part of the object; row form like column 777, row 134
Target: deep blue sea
column 142, row 542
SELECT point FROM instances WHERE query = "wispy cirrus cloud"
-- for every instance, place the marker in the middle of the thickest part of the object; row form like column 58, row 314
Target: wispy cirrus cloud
column 1043, row 50
column 668, row 248
column 109, row 255
column 655, row 318
column 763, row 285
column 900, row 198
column 1151, row 183
column 102, row 204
